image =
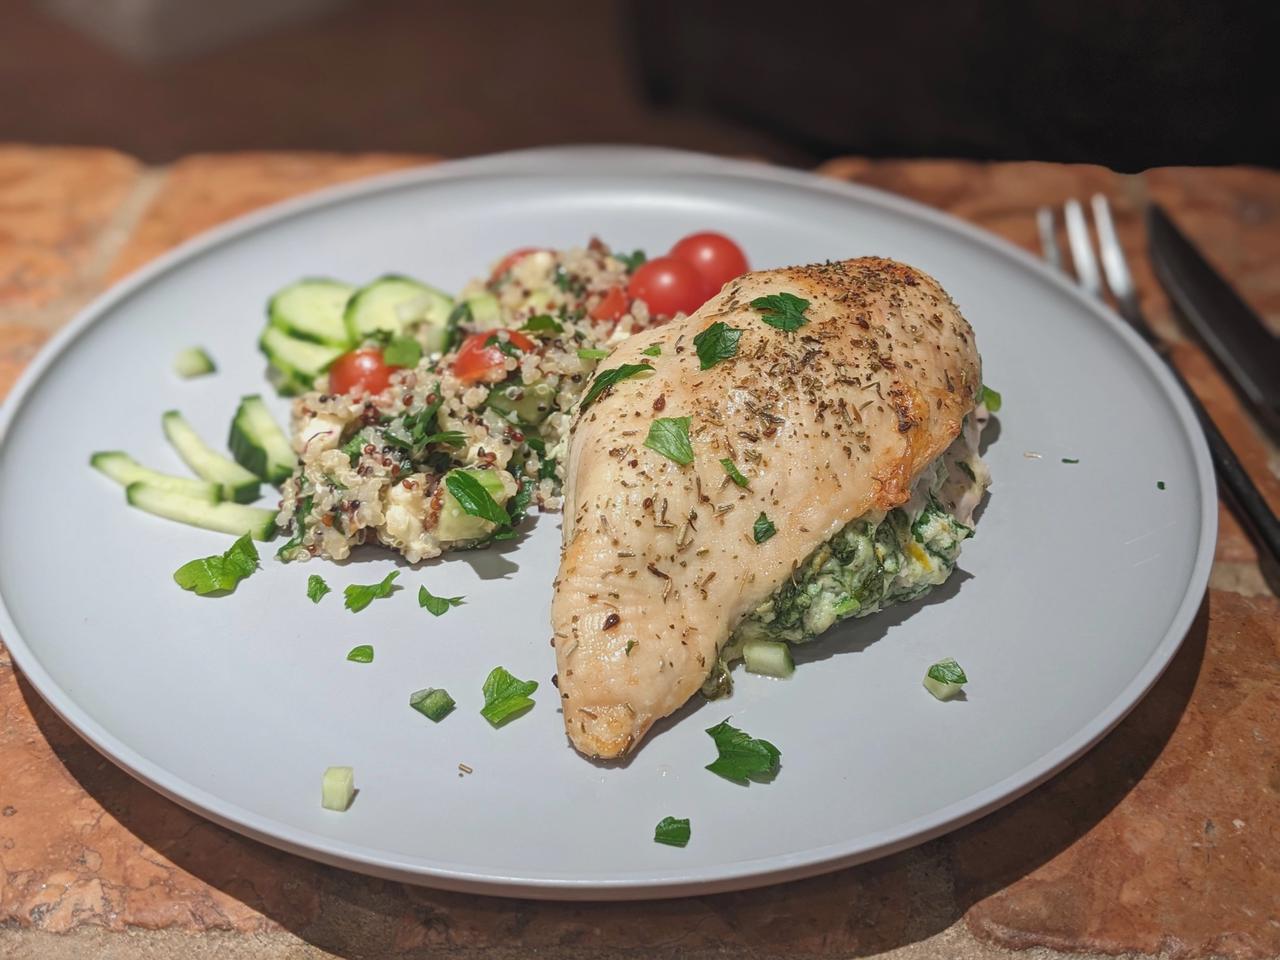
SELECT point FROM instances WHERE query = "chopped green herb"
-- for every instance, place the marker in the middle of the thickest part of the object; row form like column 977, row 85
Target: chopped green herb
column 589, row 353
column 542, row 323
column 519, row 503
column 505, row 696
column 717, row 342
column 1070, row 460
column 784, row 311
column 742, row 757
column 358, row 596
column 436, row 606
column 609, row 378
column 450, row 438
column 991, row 400
column 474, row 499
column 505, row 346
column 763, row 528
column 361, row 654
column 432, row 703
column 653, row 350
column 402, row 352
column 630, row 645
column 631, row 260
column 1159, row 484
column 672, row 832
column 944, row 679
column 219, row 573
column 316, row 587
column 734, row 473
column 669, row 436
column 299, row 528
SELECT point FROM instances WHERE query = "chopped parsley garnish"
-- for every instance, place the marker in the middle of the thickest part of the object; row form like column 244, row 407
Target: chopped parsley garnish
column 718, row 342
column 785, row 311
column 358, row 596
column 763, row 528
column 947, row 671
column 542, row 323
column 1070, row 460
column 505, row 347
column 361, row 654
column 518, row 505
column 669, row 436
column 505, row 696
column 436, row 606
column 734, row 473
column 631, row 260
column 673, row 832
column 990, row 399
column 653, row 350
column 317, row 588
column 299, row 528
column 220, row 573
column 432, row 703
column 743, row 757
column 589, row 353
column 608, row 378
column 450, row 438
column 402, row 352
column 473, row 498
column 1159, row 484
column 630, row 645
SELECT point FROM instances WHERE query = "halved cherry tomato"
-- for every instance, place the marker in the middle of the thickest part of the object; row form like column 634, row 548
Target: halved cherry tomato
column 717, row 258
column 510, row 260
column 480, row 358
column 613, row 305
column 360, row 371
column 669, row 286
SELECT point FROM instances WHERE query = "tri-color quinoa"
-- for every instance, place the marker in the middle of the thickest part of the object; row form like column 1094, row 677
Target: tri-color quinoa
column 373, row 467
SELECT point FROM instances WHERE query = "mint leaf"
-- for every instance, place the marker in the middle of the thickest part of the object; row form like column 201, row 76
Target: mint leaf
column 473, row 498
column 631, row 260
column 219, row 573
column 436, row 606
column 717, row 342
column 653, row 350
column 402, row 352
column 316, row 587
column 432, row 703
column 734, row 473
column 947, row 671
column 742, row 757
column 450, row 438
column 991, row 400
column 672, row 832
column 589, row 353
column 358, row 596
column 361, row 654
column 670, row 437
column 505, row 696
column 608, row 378
column 784, row 311
column 543, row 323
column 763, row 528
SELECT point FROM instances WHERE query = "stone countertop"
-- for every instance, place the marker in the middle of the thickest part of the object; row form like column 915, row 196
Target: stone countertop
column 1163, row 840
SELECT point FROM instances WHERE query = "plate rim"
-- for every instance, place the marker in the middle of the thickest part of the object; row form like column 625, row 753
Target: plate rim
column 671, row 882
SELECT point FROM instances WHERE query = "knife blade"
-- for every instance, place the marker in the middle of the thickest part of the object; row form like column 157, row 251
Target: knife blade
column 1234, row 333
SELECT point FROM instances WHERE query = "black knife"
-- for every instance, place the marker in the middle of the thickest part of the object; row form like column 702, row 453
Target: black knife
column 1242, row 344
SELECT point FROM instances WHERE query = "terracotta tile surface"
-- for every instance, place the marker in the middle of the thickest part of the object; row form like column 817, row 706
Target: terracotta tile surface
column 1164, row 839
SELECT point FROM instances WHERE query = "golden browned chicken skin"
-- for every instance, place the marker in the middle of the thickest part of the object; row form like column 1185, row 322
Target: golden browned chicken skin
column 827, row 422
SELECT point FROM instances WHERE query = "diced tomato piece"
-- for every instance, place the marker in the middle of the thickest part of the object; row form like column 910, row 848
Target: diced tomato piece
column 612, row 306
column 360, row 371
column 481, row 357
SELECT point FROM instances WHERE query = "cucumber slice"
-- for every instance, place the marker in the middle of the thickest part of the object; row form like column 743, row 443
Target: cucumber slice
column 485, row 312
column 455, row 523
column 233, row 518
column 337, row 788
column 237, row 483
column 531, row 403
column 193, row 362
column 312, row 309
column 771, row 658
column 298, row 362
column 392, row 303
column 258, row 443
column 124, row 470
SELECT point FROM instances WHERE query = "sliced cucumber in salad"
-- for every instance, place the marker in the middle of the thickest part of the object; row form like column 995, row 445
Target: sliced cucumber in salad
column 193, row 362
column 296, row 362
column 234, row 518
column 124, row 470
column 390, row 304
column 455, row 523
column 313, row 309
column 258, row 443
column 237, row 483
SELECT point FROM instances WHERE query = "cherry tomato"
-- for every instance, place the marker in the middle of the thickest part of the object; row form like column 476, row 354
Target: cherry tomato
column 716, row 258
column 480, row 357
column 669, row 286
column 613, row 305
column 360, row 371
column 510, row 260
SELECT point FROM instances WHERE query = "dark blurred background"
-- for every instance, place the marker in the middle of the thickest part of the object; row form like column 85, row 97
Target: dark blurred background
column 1129, row 83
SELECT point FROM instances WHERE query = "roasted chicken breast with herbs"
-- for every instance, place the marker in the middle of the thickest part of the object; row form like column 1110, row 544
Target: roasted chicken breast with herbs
column 832, row 424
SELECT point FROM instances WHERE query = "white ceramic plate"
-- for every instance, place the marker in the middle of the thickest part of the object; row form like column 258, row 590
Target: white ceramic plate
column 1068, row 604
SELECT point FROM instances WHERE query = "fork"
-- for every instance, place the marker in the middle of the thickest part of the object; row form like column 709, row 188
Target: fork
column 1245, row 498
